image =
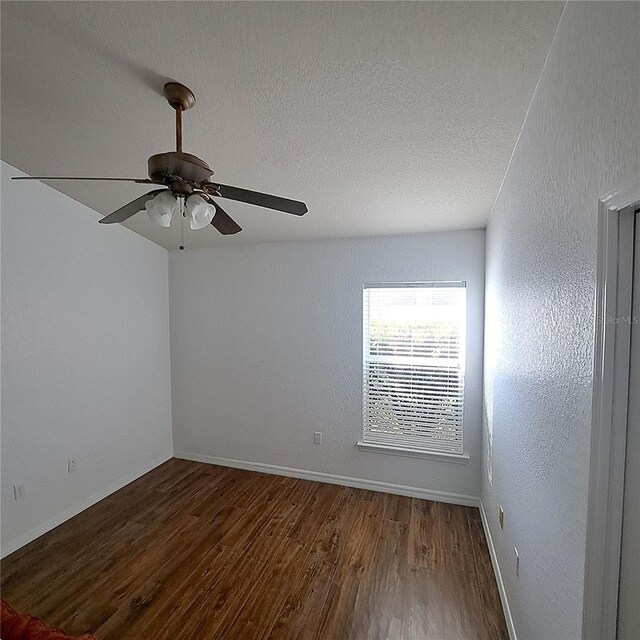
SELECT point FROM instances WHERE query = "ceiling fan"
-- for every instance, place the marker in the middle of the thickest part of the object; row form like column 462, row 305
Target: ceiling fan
column 188, row 190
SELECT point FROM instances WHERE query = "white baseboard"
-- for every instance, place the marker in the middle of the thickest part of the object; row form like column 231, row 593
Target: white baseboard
column 58, row 519
column 498, row 574
column 346, row 481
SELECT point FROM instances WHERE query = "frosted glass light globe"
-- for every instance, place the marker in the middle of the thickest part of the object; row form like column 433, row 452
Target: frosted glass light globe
column 161, row 208
column 199, row 211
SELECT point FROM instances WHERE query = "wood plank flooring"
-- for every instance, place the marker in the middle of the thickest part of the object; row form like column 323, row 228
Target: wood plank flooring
column 194, row 551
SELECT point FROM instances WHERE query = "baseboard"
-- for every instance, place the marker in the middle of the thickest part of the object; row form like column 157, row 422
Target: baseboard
column 346, row 481
column 498, row 574
column 58, row 519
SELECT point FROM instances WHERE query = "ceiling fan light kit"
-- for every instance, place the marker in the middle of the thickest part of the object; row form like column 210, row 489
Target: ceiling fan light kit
column 199, row 212
column 161, row 208
column 188, row 189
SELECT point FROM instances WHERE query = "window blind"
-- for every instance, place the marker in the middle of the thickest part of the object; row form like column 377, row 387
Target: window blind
column 414, row 352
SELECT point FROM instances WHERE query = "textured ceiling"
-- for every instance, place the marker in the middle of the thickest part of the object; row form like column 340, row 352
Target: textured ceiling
column 384, row 117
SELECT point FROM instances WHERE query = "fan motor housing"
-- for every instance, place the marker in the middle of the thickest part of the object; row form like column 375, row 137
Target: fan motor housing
column 184, row 166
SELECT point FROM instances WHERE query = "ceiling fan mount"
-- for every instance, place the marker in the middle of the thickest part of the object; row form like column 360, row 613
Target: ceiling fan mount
column 179, row 96
column 185, row 176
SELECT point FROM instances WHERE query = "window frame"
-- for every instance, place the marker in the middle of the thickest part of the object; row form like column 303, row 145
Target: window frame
column 409, row 451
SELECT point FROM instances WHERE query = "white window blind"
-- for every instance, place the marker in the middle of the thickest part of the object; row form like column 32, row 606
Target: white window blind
column 414, row 352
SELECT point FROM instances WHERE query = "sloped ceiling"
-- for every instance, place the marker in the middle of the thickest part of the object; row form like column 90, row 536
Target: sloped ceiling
column 384, row 117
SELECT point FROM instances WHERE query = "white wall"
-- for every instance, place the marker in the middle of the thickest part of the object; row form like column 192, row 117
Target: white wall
column 579, row 141
column 266, row 347
column 85, row 357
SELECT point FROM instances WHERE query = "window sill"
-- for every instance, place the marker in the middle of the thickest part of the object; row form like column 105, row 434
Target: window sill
column 413, row 453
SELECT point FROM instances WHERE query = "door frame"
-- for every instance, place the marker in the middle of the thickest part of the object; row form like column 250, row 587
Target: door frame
column 612, row 345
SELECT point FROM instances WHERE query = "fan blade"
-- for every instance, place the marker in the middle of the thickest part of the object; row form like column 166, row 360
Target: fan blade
column 224, row 223
column 124, row 213
column 138, row 180
column 262, row 199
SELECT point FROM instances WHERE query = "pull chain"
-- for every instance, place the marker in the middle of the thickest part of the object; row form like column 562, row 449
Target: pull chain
column 183, row 215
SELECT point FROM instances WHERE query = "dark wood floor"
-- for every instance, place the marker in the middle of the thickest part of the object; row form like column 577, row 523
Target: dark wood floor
column 193, row 551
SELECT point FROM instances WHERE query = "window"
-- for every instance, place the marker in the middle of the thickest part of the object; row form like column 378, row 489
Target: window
column 414, row 350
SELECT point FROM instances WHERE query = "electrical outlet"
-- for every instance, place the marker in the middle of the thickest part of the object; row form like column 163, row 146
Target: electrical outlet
column 317, row 437
column 72, row 465
column 517, row 555
column 18, row 491
column 501, row 516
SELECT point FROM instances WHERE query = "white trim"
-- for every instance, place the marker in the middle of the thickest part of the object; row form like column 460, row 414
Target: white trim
column 609, row 414
column 458, row 458
column 429, row 284
column 496, row 570
column 58, row 519
column 346, row 481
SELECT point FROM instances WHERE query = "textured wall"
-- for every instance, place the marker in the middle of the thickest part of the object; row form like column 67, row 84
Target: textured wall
column 85, row 357
column 266, row 346
column 579, row 141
